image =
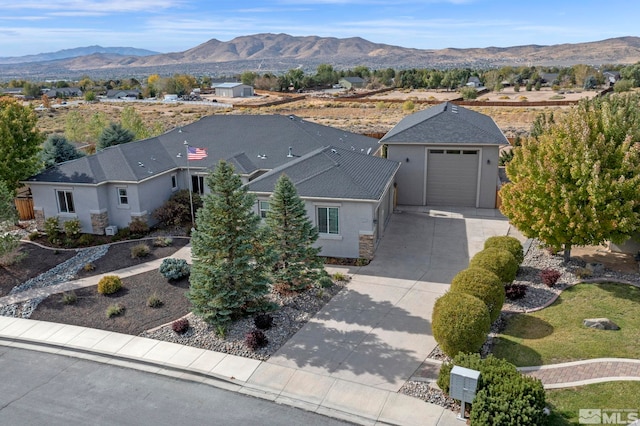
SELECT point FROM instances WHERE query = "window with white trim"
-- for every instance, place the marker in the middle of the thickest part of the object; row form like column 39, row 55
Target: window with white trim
column 197, row 184
column 328, row 220
column 123, row 198
column 65, row 202
column 263, row 207
column 174, row 181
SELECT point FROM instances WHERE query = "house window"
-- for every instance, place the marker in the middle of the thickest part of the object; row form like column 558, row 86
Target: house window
column 174, row 181
column 65, row 202
column 328, row 220
column 123, row 199
column 263, row 206
column 197, row 184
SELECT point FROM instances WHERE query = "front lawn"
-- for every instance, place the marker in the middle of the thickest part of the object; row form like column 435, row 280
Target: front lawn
column 565, row 404
column 556, row 334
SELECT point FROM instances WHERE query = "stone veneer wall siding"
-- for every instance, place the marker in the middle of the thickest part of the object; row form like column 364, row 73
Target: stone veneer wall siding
column 367, row 246
column 99, row 221
column 39, row 216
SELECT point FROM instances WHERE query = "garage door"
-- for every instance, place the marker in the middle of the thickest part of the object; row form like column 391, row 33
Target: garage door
column 452, row 177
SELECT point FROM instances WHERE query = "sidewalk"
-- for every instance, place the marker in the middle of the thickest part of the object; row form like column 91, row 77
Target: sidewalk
column 585, row 372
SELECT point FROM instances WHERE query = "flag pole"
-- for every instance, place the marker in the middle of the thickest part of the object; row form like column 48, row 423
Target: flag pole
column 186, row 144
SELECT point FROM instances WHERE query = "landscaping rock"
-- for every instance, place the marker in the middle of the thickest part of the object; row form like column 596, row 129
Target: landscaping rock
column 600, row 324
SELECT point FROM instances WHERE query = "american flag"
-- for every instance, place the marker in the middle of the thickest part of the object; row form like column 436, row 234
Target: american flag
column 194, row 153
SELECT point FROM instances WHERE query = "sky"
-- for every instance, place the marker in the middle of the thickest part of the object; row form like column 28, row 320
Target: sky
column 43, row 26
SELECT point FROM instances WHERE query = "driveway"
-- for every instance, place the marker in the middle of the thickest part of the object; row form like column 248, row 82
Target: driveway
column 378, row 331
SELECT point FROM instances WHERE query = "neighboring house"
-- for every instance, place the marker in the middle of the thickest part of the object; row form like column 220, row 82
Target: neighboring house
column 64, row 92
column 351, row 82
column 233, row 90
column 548, row 78
column 474, row 81
column 610, row 77
column 348, row 193
column 449, row 157
column 124, row 94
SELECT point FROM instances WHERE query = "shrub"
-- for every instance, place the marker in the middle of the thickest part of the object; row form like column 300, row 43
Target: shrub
column 504, row 396
column 339, row 276
column 408, row 105
column 510, row 244
column 138, row 226
column 325, row 282
column 460, row 323
column 515, row 291
column 162, row 242
column 180, row 326
column 140, row 250
column 582, row 273
column 507, row 397
column 483, row 284
column 85, row 240
column 499, row 261
column 34, row 236
column 177, row 210
column 115, row 310
column 550, row 277
column 255, row 339
column 263, row 321
column 72, row 227
column 52, row 228
column 154, row 301
column 109, row 284
column 174, row 269
column 122, row 234
column 69, row 298
column 88, row 267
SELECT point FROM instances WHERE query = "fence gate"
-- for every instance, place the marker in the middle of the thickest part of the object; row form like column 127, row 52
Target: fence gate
column 25, row 208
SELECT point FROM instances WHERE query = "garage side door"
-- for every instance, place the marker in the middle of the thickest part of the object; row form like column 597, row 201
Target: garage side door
column 452, row 177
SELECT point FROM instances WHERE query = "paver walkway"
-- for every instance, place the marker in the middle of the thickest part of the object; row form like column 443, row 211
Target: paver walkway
column 585, row 372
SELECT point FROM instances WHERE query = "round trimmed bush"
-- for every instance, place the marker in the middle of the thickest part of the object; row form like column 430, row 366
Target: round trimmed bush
column 499, row 261
column 510, row 244
column 109, row 284
column 483, row 284
column 174, row 269
column 460, row 323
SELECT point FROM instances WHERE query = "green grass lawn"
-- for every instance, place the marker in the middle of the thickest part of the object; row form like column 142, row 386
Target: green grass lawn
column 565, row 404
column 556, row 334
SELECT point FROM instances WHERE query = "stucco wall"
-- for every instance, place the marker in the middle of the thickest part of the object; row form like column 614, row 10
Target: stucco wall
column 411, row 175
column 85, row 200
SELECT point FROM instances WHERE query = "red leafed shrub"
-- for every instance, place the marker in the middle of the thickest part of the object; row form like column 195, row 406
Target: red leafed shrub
column 263, row 321
column 180, row 326
column 515, row 291
column 550, row 277
column 255, row 339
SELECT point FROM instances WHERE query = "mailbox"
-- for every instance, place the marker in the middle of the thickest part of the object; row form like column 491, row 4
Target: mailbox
column 463, row 383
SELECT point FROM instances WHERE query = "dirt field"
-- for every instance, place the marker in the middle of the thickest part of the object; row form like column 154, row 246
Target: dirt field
column 377, row 114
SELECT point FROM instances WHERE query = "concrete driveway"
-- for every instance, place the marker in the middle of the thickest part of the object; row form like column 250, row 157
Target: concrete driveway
column 378, row 331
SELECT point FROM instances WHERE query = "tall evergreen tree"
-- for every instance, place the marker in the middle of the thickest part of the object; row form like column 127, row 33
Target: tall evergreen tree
column 228, row 276
column 114, row 134
column 57, row 149
column 291, row 236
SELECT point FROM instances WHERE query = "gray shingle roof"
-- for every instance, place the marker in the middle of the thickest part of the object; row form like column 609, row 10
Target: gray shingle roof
column 250, row 142
column 446, row 123
column 334, row 173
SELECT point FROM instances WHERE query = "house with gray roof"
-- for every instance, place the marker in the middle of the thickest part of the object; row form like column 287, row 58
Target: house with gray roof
column 449, row 157
column 347, row 189
column 233, row 90
column 351, row 82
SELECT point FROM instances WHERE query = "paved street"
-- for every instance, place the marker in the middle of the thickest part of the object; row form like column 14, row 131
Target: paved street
column 46, row 389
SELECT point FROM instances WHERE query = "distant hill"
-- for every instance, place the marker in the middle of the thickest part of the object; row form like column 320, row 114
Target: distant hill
column 76, row 52
column 281, row 52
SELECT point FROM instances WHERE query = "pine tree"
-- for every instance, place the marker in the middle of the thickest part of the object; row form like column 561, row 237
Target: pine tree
column 114, row 134
column 57, row 149
column 578, row 181
column 291, row 236
column 228, row 276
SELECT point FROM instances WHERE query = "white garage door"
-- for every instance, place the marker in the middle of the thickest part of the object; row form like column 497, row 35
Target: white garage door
column 452, row 177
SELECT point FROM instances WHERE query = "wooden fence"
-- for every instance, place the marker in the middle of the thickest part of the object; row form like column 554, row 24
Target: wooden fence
column 25, row 208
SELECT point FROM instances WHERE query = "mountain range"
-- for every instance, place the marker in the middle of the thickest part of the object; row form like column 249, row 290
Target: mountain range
column 281, row 52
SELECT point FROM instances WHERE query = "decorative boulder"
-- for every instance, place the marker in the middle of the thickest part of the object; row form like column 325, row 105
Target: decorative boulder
column 600, row 324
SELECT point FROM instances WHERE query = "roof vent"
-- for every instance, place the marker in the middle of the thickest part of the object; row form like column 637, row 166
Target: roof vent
column 179, row 155
column 454, row 109
column 369, row 150
column 291, row 117
column 290, row 154
column 140, row 164
column 262, row 156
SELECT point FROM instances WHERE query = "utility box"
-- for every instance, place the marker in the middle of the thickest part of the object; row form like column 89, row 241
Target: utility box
column 463, row 384
column 111, row 230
